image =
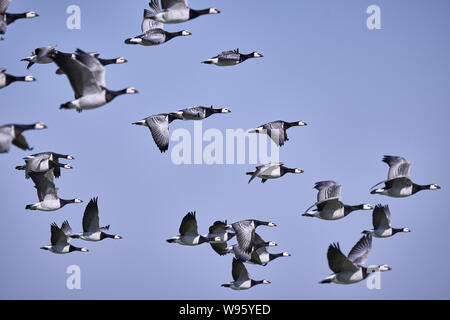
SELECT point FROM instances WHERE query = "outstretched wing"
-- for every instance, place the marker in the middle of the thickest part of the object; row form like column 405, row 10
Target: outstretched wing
column 166, row 4
column 381, row 217
column 239, row 271
column 337, row 261
column 328, row 190
column 189, row 225
column 159, row 127
column 148, row 23
column 90, row 217
column 398, row 167
column 360, row 252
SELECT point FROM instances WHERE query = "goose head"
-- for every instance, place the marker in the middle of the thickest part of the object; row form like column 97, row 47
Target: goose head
column 29, row 79
column 39, row 126
column 213, row 11
column 31, row 14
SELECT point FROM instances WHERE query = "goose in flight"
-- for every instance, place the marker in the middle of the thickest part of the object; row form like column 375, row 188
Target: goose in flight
column 329, row 204
column 40, row 56
column 177, row 11
column 245, row 232
column 8, row 18
column 42, row 163
column 198, row 113
column 348, row 270
column 91, row 228
column 276, row 130
column 241, row 278
column 381, row 220
column 399, row 183
column 220, row 231
column 153, row 32
column 261, row 256
column 12, row 134
column 159, row 128
column 271, row 171
column 6, row 79
column 189, row 232
column 47, row 193
column 87, row 78
column 51, row 157
column 231, row 58
column 60, row 240
column 242, row 256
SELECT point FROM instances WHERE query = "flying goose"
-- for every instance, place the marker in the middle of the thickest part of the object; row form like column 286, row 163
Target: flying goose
column 329, row 206
column 261, row 256
column 188, row 232
column 103, row 62
column 381, row 220
column 60, row 240
column 87, row 78
column 219, row 234
column 47, row 193
column 241, row 278
column 247, row 256
column 6, row 79
column 198, row 113
column 153, row 32
column 52, row 157
column 12, row 133
column 40, row 56
column 176, row 11
column 276, row 130
column 91, row 227
column 398, row 183
column 42, row 163
column 8, row 18
column 159, row 127
column 231, row 58
column 271, row 171
column 348, row 270
column 245, row 232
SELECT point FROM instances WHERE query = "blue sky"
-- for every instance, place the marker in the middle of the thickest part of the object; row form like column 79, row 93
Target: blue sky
column 363, row 94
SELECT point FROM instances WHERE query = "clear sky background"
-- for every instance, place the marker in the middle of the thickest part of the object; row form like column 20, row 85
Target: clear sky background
column 363, row 94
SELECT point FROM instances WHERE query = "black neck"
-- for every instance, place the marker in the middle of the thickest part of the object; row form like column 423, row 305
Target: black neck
column 105, row 62
column 105, row 235
column 72, row 248
column 255, row 282
column 348, row 209
column 171, row 35
column 19, row 128
column 64, row 202
column 203, row 240
column 110, row 95
column 273, row 256
column 10, row 79
column 418, row 187
column 395, row 230
column 288, row 125
column 11, row 17
column 196, row 13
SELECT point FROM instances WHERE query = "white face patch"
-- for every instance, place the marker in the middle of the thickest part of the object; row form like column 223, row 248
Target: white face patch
column 31, row 14
column 272, row 244
column 406, row 230
column 121, row 60
column 271, row 224
column 367, row 207
column 298, row 170
column 225, row 110
column 131, row 90
column 185, row 33
column 78, row 200
column 286, row 254
column 213, row 11
column 67, row 166
column 40, row 126
column 29, row 78
column 434, row 187
column 84, row 250
column 302, row 123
